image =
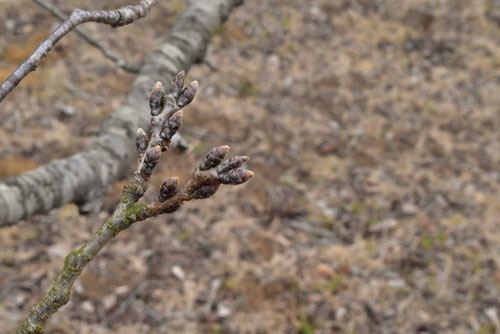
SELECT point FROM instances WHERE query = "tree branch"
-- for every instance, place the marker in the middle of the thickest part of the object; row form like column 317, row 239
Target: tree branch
column 114, row 18
column 89, row 39
column 86, row 175
column 166, row 120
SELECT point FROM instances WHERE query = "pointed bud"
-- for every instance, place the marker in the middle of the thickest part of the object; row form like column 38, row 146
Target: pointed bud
column 141, row 141
column 188, row 94
column 156, row 99
column 175, row 121
column 232, row 163
column 214, row 157
column 205, row 191
column 235, row 176
column 177, row 84
column 151, row 160
column 168, row 189
column 172, row 208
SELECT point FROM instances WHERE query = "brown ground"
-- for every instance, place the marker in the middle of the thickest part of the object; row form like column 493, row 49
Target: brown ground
column 373, row 132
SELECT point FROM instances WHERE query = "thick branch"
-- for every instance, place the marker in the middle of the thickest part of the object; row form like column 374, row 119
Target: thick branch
column 85, row 175
column 115, row 18
column 91, row 40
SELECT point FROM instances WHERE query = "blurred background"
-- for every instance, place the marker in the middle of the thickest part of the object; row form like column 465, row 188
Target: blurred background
column 373, row 131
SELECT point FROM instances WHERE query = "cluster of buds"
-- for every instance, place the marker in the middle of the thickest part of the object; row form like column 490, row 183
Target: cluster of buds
column 166, row 119
column 223, row 172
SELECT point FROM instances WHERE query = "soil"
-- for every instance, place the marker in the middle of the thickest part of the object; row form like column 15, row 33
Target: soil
column 372, row 128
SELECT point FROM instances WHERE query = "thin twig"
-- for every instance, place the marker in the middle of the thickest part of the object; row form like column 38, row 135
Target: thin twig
column 114, row 18
column 89, row 39
column 213, row 171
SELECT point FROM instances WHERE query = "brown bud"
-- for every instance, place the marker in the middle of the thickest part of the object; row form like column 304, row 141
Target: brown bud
column 214, row 157
column 187, row 94
column 175, row 121
column 151, row 160
column 235, row 176
column 172, row 208
column 141, row 141
column 177, row 84
column 232, row 163
column 168, row 189
column 205, row 191
column 156, row 99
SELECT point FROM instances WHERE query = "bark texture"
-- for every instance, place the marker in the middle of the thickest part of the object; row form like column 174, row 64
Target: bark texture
column 84, row 176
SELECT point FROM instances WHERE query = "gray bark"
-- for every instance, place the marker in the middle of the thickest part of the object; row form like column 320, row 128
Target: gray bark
column 82, row 177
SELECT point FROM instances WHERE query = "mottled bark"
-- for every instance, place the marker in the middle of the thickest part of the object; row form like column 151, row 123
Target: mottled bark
column 85, row 175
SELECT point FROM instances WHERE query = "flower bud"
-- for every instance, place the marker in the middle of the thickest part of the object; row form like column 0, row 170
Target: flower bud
column 187, row 94
column 151, row 160
column 175, row 121
column 235, row 176
column 168, row 189
column 177, row 84
column 214, row 157
column 232, row 163
column 205, row 191
column 141, row 141
column 156, row 99
column 172, row 208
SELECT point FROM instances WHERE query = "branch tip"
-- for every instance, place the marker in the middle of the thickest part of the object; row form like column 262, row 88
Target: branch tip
column 205, row 191
column 235, row 176
column 214, row 157
column 177, row 84
column 232, row 163
column 188, row 94
column 156, row 99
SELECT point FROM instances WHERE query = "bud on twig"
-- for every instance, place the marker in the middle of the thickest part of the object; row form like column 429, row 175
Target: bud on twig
column 151, row 160
column 187, row 94
column 168, row 189
column 214, row 157
column 173, row 124
column 177, row 84
column 156, row 102
column 232, row 163
column 205, row 191
column 175, row 121
column 235, row 176
column 172, row 208
column 141, row 141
